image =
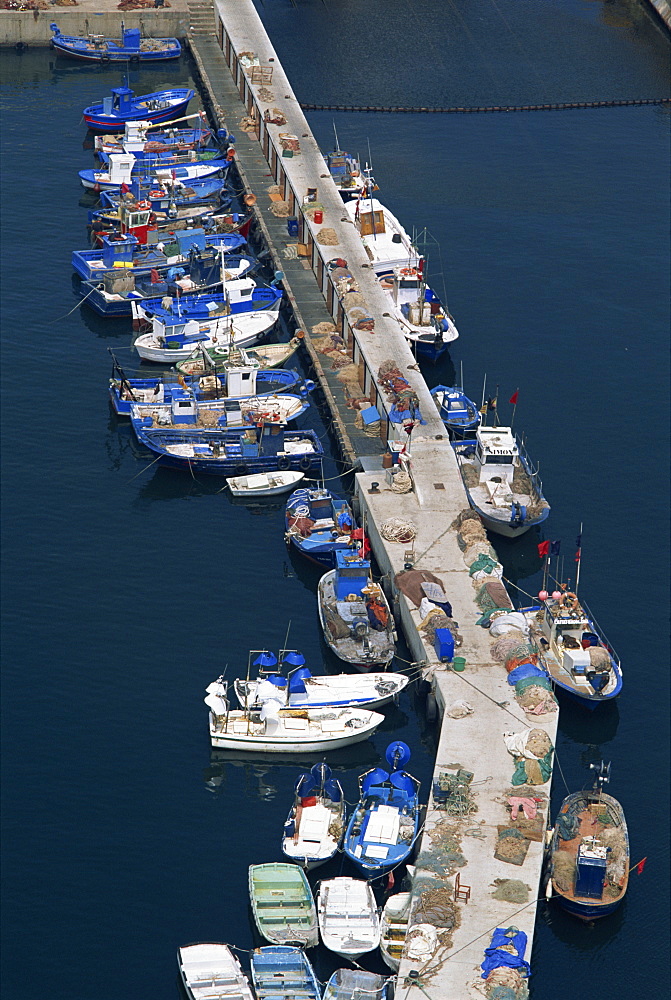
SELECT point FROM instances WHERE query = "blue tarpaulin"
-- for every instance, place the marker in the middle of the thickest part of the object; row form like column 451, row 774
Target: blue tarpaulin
column 525, row 670
column 495, row 957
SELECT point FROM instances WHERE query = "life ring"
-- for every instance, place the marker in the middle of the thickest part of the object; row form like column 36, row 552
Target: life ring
column 569, row 598
column 157, row 194
column 304, row 464
column 134, row 59
column 408, row 271
column 241, row 470
column 104, row 57
column 283, row 462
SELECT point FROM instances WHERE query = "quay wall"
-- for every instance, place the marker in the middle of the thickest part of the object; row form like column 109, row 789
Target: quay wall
column 30, row 28
column 465, row 844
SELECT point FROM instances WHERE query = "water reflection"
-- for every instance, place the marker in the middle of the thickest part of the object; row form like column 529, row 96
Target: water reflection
column 589, row 729
column 580, row 936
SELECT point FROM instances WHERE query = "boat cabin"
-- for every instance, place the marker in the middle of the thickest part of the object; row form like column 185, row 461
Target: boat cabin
column 344, row 169
column 496, row 456
column 569, row 632
column 120, row 168
column 118, row 249
column 136, row 220
column 351, row 577
column 120, row 102
column 590, row 874
column 371, row 223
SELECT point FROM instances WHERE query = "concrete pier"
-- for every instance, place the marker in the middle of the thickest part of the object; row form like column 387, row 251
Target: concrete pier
column 242, row 74
column 30, row 28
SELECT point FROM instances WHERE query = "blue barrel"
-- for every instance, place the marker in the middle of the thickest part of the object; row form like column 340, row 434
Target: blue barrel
column 292, row 227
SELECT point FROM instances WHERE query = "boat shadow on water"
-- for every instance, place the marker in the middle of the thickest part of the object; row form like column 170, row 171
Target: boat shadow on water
column 258, row 766
column 586, row 936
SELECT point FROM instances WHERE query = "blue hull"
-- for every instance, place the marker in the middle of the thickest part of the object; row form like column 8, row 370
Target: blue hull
column 321, row 546
column 591, row 702
column 430, row 351
column 587, row 911
column 129, row 108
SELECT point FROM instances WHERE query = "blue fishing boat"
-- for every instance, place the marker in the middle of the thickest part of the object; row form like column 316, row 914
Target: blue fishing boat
column 236, row 383
column 573, row 650
column 169, row 196
column 319, row 523
column 346, row 173
column 123, row 168
column 234, row 452
column 459, row 413
column 382, row 831
column 129, row 47
column 136, row 218
column 280, row 972
column 589, row 852
column 501, row 482
column 123, row 252
column 240, row 296
column 122, row 106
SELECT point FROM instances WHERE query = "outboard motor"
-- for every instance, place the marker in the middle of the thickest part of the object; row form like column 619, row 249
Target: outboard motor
column 359, row 630
column 598, row 680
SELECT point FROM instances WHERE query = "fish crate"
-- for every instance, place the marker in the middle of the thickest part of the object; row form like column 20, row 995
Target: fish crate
column 261, row 75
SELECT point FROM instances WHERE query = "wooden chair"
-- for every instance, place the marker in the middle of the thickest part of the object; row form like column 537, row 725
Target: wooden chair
column 461, row 891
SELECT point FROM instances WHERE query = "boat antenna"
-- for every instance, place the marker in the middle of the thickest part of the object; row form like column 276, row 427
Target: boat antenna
column 512, row 419
column 496, row 409
column 577, row 558
column 461, row 376
column 482, row 404
column 286, row 638
column 337, row 149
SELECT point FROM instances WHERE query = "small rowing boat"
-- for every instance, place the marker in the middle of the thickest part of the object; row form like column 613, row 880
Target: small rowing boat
column 280, row 972
column 348, row 919
column 263, row 484
column 210, row 971
column 282, row 904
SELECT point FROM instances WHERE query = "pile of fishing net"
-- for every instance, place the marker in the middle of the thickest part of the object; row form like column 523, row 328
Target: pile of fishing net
column 436, row 906
column 511, row 846
column 507, row 643
column 532, row 752
column 397, row 529
column 563, row 870
column 510, row 890
column 327, row 237
column 483, row 566
column 280, row 209
column 138, row 4
column 471, row 531
column 435, row 619
column 470, row 475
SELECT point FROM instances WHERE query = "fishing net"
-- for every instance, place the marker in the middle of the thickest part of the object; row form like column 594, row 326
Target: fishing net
column 527, row 682
column 336, row 626
column 280, row 209
column 511, row 890
column 511, row 846
column 436, row 906
column 520, row 656
column 599, row 657
column 563, row 870
column 539, row 743
column 321, row 329
column 535, row 700
column 507, row 644
column 478, row 548
column 492, row 594
column 470, row 475
column 327, row 237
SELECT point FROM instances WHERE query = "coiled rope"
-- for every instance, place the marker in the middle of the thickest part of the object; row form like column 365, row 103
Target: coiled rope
column 396, row 529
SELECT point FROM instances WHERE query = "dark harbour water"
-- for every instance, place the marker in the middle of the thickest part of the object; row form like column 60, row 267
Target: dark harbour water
column 124, row 592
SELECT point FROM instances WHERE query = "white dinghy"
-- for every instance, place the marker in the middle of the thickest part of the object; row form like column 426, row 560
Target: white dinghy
column 348, row 919
column 211, row 972
column 278, row 730
column 264, row 484
column 394, row 928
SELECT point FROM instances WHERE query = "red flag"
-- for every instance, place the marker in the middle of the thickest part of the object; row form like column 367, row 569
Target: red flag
column 391, row 881
column 640, row 866
column 513, row 398
column 544, row 548
column 125, row 189
column 577, row 556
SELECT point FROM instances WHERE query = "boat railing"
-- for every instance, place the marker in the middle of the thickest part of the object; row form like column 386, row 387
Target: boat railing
column 602, row 636
column 533, row 471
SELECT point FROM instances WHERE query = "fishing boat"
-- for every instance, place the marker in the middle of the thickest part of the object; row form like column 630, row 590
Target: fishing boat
column 123, row 168
column 394, row 928
column 280, row 972
column 589, row 852
column 118, row 290
column 122, row 106
column 356, row 984
column 240, row 295
column 348, row 919
column 282, row 904
column 144, row 139
column 425, row 322
column 234, row 451
column 263, row 484
column 318, row 523
column 184, row 411
column 459, row 413
column 277, row 730
column 345, row 171
column 129, row 47
column 354, row 614
column 385, row 240
column 137, row 218
column 172, row 197
column 315, row 825
column 210, row 971
column 264, row 356
column 299, row 689
column 235, row 383
column 382, row 831
column 575, row 653
column 175, row 340
column 501, row 482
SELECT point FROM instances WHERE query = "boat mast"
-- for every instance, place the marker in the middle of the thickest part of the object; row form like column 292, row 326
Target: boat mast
column 577, row 559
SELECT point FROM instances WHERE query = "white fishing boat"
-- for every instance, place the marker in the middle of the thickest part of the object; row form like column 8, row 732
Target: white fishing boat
column 241, row 412
column 300, row 689
column 348, row 919
column 424, row 320
column 501, row 482
column 394, row 927
column 211, row 972
column 315, row 825
column 263, row 484
column 203, row 362
column 167, row 344
column 278, row 730
column 356, row 984
column 385, row 240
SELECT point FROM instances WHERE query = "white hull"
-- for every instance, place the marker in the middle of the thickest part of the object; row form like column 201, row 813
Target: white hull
column 393, row 928
column 264, row 484
column 304, row 732
column 384, row 252
column 341, row 690
column 246, row 331
column 211, row 972
column 348, row 919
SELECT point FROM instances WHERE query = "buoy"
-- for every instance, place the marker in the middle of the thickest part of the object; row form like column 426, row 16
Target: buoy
column 543, row 595
column 556, row 594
